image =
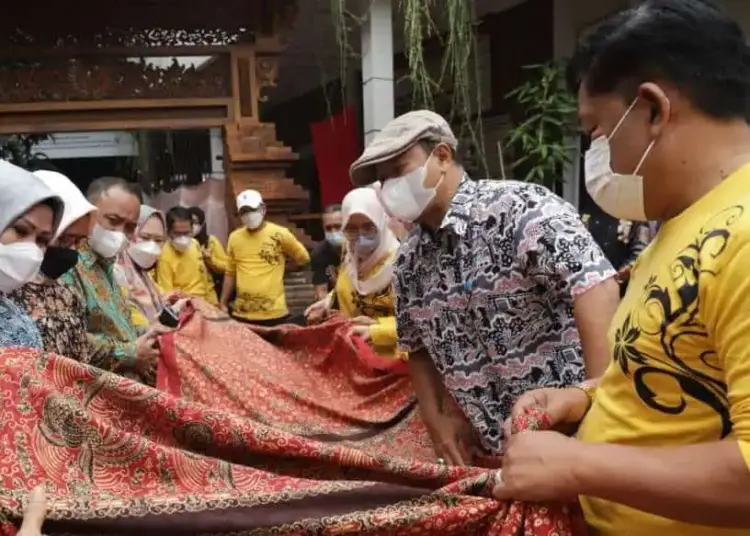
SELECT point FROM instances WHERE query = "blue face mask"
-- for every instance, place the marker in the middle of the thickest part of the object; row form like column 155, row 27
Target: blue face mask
column 366, row 245
column 335, row 238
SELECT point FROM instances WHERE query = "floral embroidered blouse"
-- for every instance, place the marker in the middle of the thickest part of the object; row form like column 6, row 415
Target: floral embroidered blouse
column 111, row 334
column 59, row 315
column 16, row 328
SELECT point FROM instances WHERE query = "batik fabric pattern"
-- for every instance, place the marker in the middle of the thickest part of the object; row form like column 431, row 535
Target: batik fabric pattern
column 111, row 334
column 314, row 384
column 59, row 315
column 489, row 296
column 16, row 328
column 118, row 457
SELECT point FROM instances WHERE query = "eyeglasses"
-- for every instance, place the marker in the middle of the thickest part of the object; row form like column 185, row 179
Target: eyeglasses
column 368, row 230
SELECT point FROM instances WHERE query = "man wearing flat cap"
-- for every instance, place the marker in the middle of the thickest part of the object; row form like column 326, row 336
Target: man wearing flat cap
column 500, row 287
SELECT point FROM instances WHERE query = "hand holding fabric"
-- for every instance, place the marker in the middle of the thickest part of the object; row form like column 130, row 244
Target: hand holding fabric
column 361, row 331
column 363, row 321
column 562, row 406
column 318, row 311
column 539, row 466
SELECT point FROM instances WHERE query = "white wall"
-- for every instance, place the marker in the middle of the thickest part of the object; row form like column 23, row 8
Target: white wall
column 88, row 145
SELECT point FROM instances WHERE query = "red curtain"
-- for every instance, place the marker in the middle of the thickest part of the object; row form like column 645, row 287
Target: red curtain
column 336, row 144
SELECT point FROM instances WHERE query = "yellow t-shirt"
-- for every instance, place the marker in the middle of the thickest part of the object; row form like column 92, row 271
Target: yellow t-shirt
column 681, row 347
column 186, row 272
column 218, row 257
column 378, row 306
column 257, row 259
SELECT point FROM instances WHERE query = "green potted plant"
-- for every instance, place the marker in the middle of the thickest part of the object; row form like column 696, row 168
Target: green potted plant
column 540, row 144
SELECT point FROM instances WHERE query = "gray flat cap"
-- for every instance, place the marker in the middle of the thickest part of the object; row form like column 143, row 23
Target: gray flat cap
column 398, row 136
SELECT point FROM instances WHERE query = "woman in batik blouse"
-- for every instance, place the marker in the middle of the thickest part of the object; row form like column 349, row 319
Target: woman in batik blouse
column 30, row 214
column 58, row 312
column 364, row 289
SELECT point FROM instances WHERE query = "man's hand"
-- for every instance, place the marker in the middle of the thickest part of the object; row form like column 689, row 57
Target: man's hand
column 564, row 406
column 33, row 517
column 453, row 438
column 539, row 466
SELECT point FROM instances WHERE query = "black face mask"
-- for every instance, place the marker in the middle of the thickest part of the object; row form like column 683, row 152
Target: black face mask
column 58, row 261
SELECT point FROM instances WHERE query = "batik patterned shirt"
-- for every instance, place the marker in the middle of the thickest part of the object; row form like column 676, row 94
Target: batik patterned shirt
column 111, row 333
column 59, row 316
column 16, row 328
column 489, row 296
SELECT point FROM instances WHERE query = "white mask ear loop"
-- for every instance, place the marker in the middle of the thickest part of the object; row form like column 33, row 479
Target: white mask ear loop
column 643, row 158
column 622, row 119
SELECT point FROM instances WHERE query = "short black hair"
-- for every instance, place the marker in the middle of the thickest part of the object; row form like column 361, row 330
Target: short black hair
column 101, row 186
column 692, row 44
column 330, row 209
column 176, row 214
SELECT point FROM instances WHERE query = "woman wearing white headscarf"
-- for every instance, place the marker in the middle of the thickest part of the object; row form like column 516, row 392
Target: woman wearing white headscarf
column 364, row 290
column 59, row 313
column 30, row 214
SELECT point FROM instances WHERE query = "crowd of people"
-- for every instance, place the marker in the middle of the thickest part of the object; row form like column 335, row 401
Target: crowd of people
column 494, row 293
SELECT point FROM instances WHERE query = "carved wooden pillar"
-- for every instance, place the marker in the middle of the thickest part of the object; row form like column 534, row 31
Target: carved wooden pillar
column 254, row 156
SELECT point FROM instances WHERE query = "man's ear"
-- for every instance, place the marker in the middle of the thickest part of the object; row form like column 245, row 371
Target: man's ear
column 660, row 104
column 444, row 154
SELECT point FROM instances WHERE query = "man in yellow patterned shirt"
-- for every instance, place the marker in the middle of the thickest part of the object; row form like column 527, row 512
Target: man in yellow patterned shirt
column 256, row 261
column 664, row 443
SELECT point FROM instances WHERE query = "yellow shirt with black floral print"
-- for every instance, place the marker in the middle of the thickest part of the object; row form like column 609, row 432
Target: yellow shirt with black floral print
column 680, row 373
column 257, row 259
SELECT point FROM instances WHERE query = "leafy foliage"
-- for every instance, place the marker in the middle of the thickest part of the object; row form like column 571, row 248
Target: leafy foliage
column 18, row 149
column 541, row 142
column 455, row 87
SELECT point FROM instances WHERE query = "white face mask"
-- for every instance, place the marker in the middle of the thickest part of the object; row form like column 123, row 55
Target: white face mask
column 197, row 228
column 19, row 264
column 617, row 194
column 335, row 238
column 145, row 254
column 182, row 243
column 406, row 197
column 252, row 220
column 105, row 243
